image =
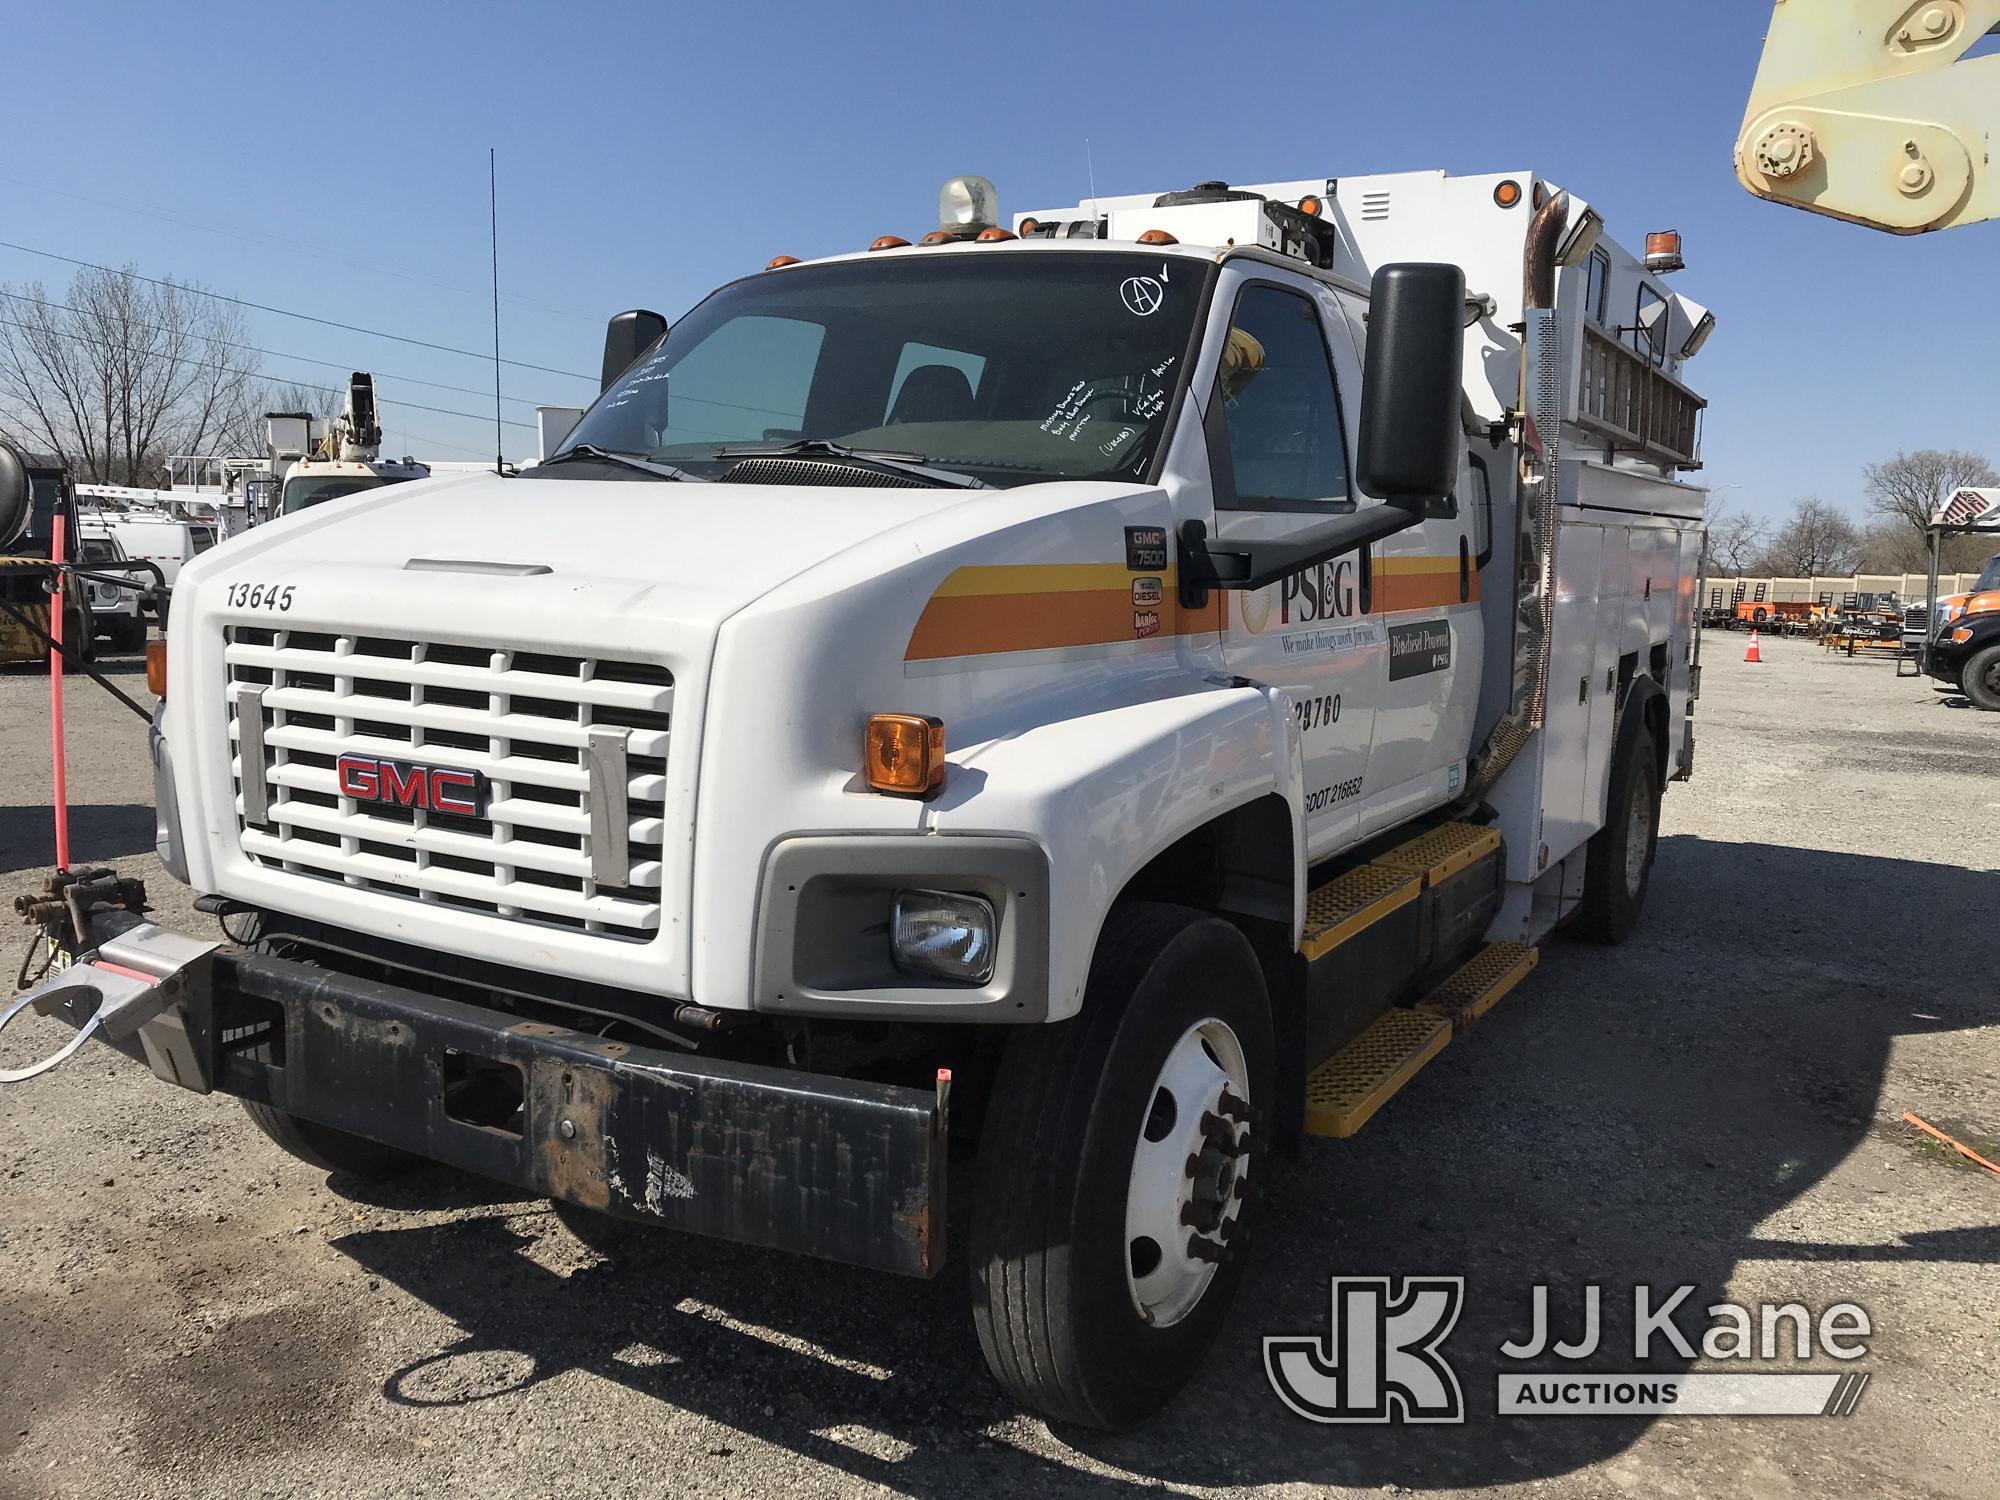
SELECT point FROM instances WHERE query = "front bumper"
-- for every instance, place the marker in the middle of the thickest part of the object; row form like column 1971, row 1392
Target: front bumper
column 845, row 1170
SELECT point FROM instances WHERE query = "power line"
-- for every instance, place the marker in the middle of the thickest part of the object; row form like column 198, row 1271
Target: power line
column 282, row 312
column 318, row 252
column 222, row 369
column 462, row 390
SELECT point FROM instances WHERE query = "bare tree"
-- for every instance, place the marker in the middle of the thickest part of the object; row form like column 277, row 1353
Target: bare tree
column 1815, row 538
column 122, row 373
column 1733, row 539
column 242, row 429
column 1911, row 486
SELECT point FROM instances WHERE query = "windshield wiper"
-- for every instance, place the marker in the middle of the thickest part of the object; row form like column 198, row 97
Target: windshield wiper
column 886, row 460
column 624, row 460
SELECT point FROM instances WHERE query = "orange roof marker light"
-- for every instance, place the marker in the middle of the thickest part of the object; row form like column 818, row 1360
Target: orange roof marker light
column 994, row 233
column 1508, row 193
column 938, row 237
column 889, row 242
column 779, row 262
column 1157, row 237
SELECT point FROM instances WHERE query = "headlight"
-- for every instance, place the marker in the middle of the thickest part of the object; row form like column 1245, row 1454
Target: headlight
column 943, row 934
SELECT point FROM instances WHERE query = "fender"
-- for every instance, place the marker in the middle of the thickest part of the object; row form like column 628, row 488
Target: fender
column 1105, row 793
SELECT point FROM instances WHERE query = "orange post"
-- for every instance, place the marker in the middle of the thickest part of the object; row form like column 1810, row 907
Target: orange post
column 57, row 554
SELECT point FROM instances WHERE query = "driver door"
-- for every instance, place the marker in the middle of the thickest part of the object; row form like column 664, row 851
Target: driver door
column 1279, row 442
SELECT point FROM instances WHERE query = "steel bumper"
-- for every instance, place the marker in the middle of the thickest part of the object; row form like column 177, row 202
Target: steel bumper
column 842, row 1169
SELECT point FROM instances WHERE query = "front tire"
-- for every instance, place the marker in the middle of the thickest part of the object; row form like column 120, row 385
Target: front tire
column 1981, row 678
column 1108, row 1237
column 328, row 1149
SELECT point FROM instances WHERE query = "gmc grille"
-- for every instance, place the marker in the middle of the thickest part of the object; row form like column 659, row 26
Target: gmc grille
column 574, row 749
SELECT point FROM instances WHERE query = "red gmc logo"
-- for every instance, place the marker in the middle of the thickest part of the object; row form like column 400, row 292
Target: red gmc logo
column 403, row 783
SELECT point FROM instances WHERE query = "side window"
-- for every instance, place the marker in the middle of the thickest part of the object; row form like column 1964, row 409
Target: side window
column 1597, row 286
column 1649, row 331
column 1281, row 421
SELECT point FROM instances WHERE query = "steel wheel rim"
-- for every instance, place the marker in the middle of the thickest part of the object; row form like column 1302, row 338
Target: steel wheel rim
column 1638, row 843
column 1188, row 1170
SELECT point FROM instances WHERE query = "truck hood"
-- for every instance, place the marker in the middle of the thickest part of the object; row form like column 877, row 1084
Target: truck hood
column 703, row 550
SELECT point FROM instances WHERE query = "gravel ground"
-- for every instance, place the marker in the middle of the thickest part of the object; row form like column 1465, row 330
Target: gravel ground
column 186, row 1311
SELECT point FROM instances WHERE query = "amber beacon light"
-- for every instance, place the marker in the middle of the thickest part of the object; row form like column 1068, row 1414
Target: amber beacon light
column 905, row 753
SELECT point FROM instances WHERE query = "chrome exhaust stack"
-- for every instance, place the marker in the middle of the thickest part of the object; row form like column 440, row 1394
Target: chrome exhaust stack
column 1541, row 406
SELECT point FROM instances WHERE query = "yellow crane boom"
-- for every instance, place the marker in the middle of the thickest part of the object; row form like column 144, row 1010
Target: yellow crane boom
column 1869, row 110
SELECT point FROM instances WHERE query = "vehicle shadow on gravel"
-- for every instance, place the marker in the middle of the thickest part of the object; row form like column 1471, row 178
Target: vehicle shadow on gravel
column 106, row 832
column 1612, row 1123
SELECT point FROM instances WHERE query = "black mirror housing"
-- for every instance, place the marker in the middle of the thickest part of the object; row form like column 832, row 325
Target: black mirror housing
column 626, row 337
column 1413, row 384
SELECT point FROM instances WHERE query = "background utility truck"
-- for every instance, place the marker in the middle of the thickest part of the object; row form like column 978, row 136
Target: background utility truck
column 1072, row 709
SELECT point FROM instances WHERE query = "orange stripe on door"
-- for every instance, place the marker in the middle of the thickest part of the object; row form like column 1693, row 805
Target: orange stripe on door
column 984, row 611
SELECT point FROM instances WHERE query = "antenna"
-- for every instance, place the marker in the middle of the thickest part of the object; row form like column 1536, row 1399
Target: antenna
column 1090, row 170
column 493, row 225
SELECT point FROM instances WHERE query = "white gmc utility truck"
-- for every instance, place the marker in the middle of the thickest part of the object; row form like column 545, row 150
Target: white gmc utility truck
column 1067, row 709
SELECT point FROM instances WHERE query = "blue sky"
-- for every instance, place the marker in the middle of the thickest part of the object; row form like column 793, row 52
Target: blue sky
column 333, row 160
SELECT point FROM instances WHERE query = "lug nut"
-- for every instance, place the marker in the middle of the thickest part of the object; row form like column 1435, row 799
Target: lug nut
column 1202, row 1250
column 1233, row 1108
column 1194, row 1216
column 1220, row 1133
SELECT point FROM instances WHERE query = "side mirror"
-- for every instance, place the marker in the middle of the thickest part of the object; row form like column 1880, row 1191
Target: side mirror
column 1413, row 385
column 16, row 495
column 626, row 337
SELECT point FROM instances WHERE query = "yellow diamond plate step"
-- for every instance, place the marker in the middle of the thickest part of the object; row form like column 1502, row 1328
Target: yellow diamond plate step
column 1345, row 1090
column 1443, row 852
column 1478, row 983
column 1345, row 905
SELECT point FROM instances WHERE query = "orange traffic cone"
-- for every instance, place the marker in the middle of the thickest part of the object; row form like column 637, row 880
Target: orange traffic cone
column 1753, row 654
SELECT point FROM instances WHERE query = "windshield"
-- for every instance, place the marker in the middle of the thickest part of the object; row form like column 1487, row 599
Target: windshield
column 1009, row 366
column 312, row 490
column 1989, row 577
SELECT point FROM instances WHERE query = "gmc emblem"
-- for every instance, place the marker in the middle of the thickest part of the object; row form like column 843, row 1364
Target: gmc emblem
column 404, row 783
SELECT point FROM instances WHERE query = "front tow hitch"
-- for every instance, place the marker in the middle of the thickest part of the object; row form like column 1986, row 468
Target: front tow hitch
column 147, row 981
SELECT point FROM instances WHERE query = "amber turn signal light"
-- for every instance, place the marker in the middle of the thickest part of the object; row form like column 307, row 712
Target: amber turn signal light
column 905, row 753
column 156, row 667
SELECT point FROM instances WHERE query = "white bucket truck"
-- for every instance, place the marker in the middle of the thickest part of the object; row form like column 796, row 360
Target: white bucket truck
column 1069, row 709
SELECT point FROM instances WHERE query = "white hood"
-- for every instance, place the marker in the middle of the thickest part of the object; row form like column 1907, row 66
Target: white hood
column 709, row 548
column 549, row 572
